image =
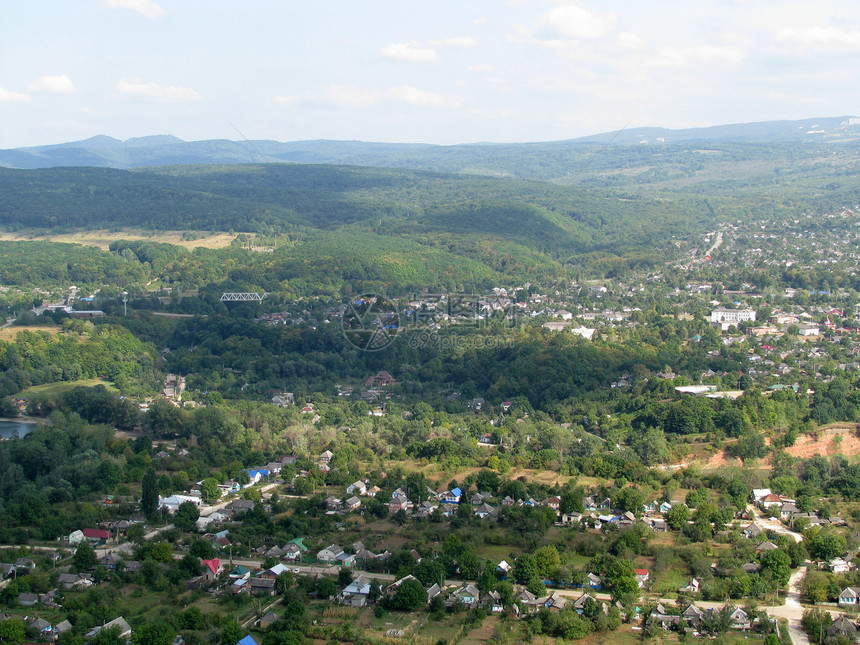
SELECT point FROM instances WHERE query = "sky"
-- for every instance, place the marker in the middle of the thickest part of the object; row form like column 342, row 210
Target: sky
column 428, row 71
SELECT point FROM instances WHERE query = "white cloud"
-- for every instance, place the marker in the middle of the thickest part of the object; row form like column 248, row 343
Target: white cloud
column 411, row 52
column 146, row 8
column 422, row 98
column 59, row 84
column 822, row 37
column 683, row 57
column 353, row 96
column 7, row 96
column 167, row 94
column 628, row 40
column 460, row 42
column 417, row 52
column 483, row 69
column 570, row 21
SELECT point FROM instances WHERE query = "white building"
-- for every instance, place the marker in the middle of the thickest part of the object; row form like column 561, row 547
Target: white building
column 727, row 317
column 808, row 330
column 174, row 501
column 584, row 331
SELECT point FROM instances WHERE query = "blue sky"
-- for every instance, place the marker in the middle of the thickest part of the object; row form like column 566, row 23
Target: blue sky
column 435, row 71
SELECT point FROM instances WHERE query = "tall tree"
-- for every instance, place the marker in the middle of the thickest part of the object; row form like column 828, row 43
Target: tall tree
column 186, row 515
column 85, row 557
column 12, row 631
column 410, row 596
column 149, row 494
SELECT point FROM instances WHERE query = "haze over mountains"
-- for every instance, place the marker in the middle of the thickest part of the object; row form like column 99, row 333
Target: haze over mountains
column 480, row 158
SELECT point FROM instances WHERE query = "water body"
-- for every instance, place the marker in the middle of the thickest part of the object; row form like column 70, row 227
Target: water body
column 9, row 429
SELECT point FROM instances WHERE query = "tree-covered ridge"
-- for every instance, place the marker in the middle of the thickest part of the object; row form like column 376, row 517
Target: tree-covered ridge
column 48, row 263
column 389, row 230
column 286, row 198
column 81, row 351
column 398, row 229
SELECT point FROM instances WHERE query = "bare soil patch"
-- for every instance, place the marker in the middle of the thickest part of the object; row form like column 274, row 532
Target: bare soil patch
column 832, row 439
column 828, row 440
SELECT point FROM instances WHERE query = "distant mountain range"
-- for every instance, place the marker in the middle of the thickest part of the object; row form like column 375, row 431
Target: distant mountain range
column 825, row 130
column 487, row 159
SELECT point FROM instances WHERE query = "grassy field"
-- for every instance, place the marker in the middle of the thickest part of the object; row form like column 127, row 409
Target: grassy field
column 9, row 333
column 667, row 582
column 497, row 552
column 103, row 238
column 440, row 630
column 52, row 390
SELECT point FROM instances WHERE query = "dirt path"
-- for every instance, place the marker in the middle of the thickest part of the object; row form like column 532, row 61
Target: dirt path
column 772, row 524
column 717, row 244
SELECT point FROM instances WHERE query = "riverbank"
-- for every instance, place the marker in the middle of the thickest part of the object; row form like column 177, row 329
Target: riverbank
column 18, row 426
column 25, row 420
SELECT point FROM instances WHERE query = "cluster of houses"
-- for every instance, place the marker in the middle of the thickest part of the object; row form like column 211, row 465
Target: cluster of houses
column 227, row 514
column 241, row 580
column 51, row 632
column 360, row 593
column 66, row 581
column 20, row 567
column 787, row 510
column 598, row 511
column 46, row 630
column 174, row 386
column 105, row 533
column 256, row 475
column 694, row 617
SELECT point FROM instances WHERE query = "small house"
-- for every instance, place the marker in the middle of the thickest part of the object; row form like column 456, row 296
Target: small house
column 330, row 554
column 849, row 596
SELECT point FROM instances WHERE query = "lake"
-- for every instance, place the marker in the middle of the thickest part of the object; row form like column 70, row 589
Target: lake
column 15, row 428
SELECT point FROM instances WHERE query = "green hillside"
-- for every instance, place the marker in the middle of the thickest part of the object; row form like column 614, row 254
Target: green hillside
column 400, row 230
column 396, row 227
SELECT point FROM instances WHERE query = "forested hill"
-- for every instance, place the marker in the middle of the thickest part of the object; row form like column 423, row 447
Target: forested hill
column 385, row 223
column 482, row 218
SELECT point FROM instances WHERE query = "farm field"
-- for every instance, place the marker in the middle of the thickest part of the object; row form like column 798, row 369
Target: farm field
column 103, row 238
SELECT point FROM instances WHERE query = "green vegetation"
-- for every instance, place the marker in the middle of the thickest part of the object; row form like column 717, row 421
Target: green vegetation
column 552, row 396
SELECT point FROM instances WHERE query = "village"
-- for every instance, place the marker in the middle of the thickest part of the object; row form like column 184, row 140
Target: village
column 365, row 579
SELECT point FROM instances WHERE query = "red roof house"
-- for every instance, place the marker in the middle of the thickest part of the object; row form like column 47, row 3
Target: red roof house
column 96, row 534
column 211, row 568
